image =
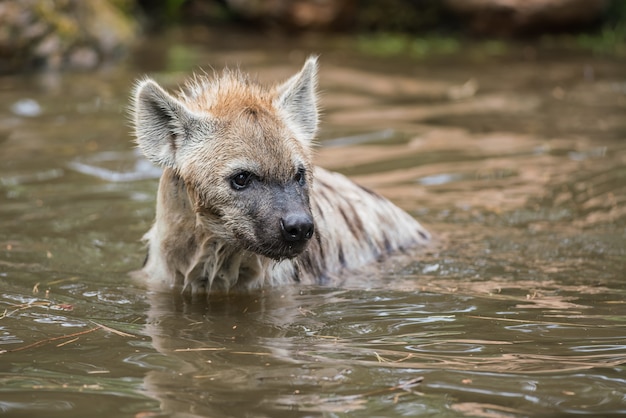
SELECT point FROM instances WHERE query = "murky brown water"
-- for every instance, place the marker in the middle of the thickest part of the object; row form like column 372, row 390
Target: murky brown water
column 517, row 166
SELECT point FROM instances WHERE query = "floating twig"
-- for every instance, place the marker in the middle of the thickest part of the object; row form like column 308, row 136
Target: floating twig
column 73, row 337
column 67, row 342
column 200, row 349
column 48, row 340
column 114, row 331
column 403, row 386
column 23, row 306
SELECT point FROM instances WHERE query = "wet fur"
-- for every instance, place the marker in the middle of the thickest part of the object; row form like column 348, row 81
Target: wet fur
column 207, row 237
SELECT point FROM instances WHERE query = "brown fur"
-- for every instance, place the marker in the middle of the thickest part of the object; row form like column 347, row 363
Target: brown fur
column 290, row 221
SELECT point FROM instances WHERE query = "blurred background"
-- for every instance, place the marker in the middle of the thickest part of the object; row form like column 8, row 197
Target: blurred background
column 74, row 34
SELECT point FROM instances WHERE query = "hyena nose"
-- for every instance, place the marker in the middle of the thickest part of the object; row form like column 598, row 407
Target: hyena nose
column 296, row 227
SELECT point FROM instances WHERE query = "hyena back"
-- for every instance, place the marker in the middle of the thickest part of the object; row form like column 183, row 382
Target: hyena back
column 240, row 204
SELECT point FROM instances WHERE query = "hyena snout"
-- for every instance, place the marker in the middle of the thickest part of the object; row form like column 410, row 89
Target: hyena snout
column 297, row 228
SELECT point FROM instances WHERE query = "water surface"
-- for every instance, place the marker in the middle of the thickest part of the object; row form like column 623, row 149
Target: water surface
column 515, row 163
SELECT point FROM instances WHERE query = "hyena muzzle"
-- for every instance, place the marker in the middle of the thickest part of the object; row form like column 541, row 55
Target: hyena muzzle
column 240, row 204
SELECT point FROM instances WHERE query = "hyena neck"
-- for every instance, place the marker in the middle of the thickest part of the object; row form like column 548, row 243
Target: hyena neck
column 189, row 249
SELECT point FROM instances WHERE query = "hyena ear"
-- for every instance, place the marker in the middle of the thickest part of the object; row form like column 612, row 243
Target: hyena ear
column 162, row 123
column 297, row 98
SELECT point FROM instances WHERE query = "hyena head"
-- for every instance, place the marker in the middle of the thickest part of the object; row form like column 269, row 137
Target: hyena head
column 243, row 152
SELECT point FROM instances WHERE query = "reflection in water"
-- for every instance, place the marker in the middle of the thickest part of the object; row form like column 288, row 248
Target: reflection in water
column 290, row 349
column 516, row 310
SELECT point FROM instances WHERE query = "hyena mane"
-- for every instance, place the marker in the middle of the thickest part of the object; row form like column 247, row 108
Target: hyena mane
column 240, row 204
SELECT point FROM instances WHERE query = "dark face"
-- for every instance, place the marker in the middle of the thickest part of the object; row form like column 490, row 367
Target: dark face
column 274, row 217
column 253, row 180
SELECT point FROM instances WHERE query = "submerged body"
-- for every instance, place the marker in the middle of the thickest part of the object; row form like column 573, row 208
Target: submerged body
column 240, row 204
column 354, row 226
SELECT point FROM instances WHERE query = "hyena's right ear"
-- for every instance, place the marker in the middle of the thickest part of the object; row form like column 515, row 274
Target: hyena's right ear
column 162, row 123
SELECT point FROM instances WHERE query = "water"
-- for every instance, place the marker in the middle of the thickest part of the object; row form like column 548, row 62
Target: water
column 516, row 164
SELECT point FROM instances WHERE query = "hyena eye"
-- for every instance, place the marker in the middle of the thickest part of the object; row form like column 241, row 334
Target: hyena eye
column 241, row 180
column 300, row 177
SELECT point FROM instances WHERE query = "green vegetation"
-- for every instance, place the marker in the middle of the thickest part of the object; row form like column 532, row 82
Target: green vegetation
column 389, row 45
column 611, row 40
column 172, row 9
column 385, row 45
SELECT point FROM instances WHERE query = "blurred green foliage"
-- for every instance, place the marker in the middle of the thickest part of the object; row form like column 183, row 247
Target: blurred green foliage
column 418, row 47
column 172, row 8
column 164, row 11
column 419, row 28
column 388, row 44
column 610, row 39
column 126, row 6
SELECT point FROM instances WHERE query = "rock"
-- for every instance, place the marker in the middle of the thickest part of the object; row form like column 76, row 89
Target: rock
column 61, row 34
column 523, row 17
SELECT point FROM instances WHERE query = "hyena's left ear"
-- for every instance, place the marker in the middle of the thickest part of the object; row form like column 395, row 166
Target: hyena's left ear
column 297, row 98
column 162, row 123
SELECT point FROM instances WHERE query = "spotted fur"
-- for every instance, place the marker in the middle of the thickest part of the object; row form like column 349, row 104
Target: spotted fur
column 210, row 234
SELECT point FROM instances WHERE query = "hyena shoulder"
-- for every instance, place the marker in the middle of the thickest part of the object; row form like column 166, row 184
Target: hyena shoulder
column 356, row 226
column 240, row 204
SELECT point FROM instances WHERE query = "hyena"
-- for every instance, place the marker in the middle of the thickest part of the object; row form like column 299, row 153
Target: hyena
column 240, row 204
